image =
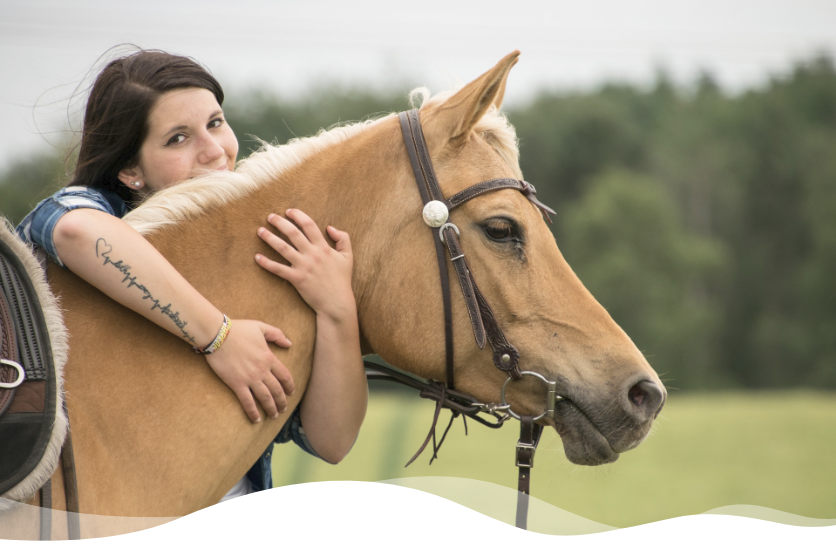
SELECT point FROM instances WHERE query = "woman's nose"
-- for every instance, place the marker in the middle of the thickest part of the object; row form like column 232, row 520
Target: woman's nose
column 210, row 150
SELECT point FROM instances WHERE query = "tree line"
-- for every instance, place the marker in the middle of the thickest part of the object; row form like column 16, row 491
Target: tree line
column 704, row 221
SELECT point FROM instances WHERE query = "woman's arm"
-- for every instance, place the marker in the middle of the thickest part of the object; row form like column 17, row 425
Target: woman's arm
column 110, row 255
column 335, row 401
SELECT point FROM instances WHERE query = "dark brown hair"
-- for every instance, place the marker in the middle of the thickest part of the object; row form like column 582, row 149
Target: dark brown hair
column 116, row 117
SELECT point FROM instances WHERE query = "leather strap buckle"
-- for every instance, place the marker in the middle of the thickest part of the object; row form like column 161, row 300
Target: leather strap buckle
column 446, row 226
column 525, row 455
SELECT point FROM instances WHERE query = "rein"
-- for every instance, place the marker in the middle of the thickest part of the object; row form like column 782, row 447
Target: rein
column 483, row 321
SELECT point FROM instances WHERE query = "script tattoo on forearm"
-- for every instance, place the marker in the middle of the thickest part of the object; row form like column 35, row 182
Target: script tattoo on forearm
column 102, row 251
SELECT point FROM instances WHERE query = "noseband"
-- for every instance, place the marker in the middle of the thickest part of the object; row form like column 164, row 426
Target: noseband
column 506, row 357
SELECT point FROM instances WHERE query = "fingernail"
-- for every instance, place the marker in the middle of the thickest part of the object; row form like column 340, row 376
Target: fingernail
column 271, row 216
column 258, row 257
column 288, row 211
column 258, row 420
column 274, row 417
column 283, row 410
column 261, row 230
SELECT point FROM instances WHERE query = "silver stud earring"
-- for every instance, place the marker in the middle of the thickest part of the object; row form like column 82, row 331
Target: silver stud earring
column 136, row 183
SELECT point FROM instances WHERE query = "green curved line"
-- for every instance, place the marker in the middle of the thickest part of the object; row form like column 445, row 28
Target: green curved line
column 499, row 502
column 769, row 514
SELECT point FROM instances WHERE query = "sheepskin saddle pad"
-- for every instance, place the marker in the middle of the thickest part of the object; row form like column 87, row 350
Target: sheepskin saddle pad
column 33, row 422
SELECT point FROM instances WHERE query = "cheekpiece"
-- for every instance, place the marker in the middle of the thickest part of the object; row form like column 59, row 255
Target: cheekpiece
column 435, row 213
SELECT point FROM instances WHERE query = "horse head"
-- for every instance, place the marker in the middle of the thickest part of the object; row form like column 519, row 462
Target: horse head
column 611, row 395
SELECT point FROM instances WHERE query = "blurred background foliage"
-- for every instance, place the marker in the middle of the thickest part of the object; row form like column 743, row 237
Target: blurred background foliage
column 704, row 222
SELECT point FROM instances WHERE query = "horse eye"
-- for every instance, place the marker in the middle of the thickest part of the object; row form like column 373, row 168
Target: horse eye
column 499, row 230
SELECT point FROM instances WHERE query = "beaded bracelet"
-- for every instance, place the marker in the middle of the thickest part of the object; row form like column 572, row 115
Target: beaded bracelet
column 219, row 339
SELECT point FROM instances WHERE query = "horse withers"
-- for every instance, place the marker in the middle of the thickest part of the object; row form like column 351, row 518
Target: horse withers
column 157, row 434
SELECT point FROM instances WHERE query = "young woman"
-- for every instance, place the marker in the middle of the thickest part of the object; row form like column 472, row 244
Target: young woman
column 152, row 120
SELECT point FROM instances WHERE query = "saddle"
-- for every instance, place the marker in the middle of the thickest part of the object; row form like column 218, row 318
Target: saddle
column 33, row 421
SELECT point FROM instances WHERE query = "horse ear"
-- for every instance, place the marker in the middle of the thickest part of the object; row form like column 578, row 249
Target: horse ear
column 497, row 102
column 458, row 115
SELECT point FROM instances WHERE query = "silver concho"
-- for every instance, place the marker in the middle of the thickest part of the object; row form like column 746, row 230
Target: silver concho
column 435, row 213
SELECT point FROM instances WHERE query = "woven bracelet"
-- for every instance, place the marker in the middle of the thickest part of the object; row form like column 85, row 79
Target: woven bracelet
column 218, row 340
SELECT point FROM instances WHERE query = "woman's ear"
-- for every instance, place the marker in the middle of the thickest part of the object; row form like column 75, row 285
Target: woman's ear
column 132, row 178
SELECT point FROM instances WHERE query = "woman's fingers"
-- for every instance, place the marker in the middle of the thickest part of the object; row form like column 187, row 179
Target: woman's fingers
column 270, row 389
column 275, row 335
column 271, row 393
column 246, row 364
column 248, row 403
column 312, row 232
column 267, row 400
column 297, row 237
column 303, row 239
column 284, row 271
column 343, row 242
column 283, row 377
column 287, row 251
column 277, row 369
column 321, row 274
column 277, row 394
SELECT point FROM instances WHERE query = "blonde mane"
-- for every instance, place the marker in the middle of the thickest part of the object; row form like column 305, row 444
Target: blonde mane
column 193, row 197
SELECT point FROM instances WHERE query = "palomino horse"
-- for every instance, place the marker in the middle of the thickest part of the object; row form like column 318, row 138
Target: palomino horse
column 157, row 434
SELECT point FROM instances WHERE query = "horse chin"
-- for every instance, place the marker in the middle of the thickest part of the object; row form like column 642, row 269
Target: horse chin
column 583, row 443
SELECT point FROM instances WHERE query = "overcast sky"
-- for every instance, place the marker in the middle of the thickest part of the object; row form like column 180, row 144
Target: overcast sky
column 47, row 46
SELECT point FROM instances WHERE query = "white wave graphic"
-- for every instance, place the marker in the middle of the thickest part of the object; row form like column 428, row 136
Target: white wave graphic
column 384, row 519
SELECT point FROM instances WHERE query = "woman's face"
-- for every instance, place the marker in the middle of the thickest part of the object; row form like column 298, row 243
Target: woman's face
column 187, row 137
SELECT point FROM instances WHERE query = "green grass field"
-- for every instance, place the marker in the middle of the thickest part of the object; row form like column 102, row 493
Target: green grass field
column 707, row 450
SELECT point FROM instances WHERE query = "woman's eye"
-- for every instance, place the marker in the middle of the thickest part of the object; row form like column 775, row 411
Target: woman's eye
column 176, row 138
column 216, row 123
column 499, row 230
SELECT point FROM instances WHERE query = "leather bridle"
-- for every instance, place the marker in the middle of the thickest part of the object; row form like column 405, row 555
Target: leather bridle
column 506, row 357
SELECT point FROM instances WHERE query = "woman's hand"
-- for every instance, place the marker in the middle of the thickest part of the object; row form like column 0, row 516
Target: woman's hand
column 321, row 274
column 245, row 363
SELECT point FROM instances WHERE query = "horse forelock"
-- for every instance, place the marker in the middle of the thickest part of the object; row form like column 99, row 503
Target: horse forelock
column 194, row 197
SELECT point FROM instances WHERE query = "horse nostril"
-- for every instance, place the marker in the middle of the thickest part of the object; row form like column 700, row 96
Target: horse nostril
column 645, row 398
column 636, row 395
